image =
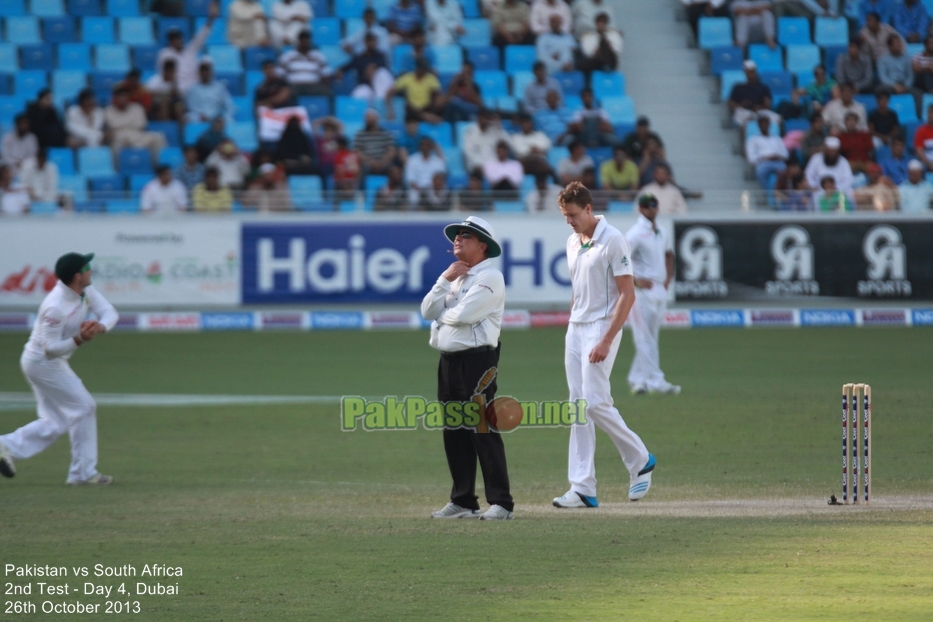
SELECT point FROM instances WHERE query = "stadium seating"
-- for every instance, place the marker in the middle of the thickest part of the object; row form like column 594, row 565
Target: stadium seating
column 620, row 109
column 73, row 185
column 84, row 7
column 492, row 83
column 520, row 58
column 448, row 58
column 306, row 192
column 58, row 29
column 10, row 106
column 64, row 159
column 122, row 206
column 714, row 32
column 802, row 58
column 728, row 58
column 9, row 63
column 350, row 8
column 226, row 58
column 107, row 186
column 120, row 8
column 22, row 30
column 112, row 57
column 831, row 31
column 43, row 208
column 135, row 162
column 243, row 134
column 254, row 57
column 171, row 155
column 793, row 31
column 136, row 30
column 766, row 58
column 316, row 106
column 12, row 7
column 194, row 130
column 326, row 30
column 95, row 161
column 484, row 57
column 509, row 207
column 74, row 56
column 165, row 25
column 102, row 82
column 47, row 8
column 144, row 57
column 138, row 182
column 520, row 81
column 621, row 207
column 906, row 108
column 607, row 84
column 29, row 82
column 35, row 56
column 478, row 33
column 66, row 84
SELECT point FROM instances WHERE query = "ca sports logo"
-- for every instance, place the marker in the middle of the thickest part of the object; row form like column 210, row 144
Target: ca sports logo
column 701, row 256
column 793, row 263
column 886, row 259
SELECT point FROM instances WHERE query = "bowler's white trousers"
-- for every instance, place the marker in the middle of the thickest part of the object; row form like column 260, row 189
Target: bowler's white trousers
column 590, row 381
column 64, row 405
column 645, row 318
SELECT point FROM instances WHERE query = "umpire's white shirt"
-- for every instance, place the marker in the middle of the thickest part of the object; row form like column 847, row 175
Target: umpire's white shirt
column 59, row 320
column 466, row 312
column 649, row 248
column 593, row 268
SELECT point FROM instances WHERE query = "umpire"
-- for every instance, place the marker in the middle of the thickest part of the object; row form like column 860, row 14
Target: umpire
column 465, row 307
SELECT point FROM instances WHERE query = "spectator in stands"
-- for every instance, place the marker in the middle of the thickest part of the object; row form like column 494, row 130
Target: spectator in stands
column 294, row 148
column 420, row 170
column 190, row 172
column 40, row 177
column 186, row 55
column 474, row 198
column 273, row 92
column 790, row 188
column 894, row 69
column 855, row 67
column 806, row 8
column 464, row 97
column 232, row 165
column 591, row 124
column 856, row 145
column 923, row 141
column 911, row 20
column 749, row 14
column 697, row 9
column 374, row 80
column 267, row 193
column 766, row 152
column 437, row 198
column 834, row 113
column 404, row 19
column 555, row 47
column 369, row 55
column 922, row 65
column 289, row 18
column 503, row 175
column 264, row 156
column 829, row 162
column 306, row 69
column 511, row 24
column 374, row 146
column 894, row 164
column 600, row 198
column 167, row 101
column 915, row 192
column 209, row 196
column 670, row 199
column 126, row 126
column 586, row 12
column 136, row 90
column 410, row 140
column 543, row 10
column 601, row 48
column 246, row 24
column 652, row 157
column 356, row 42
column 619, row 174
column 392, row 196
column 85, row 121
column 571, row 168
column 209, row 98
column 531, row 147
column 18, row 144
column 830, row 198
column 880, row 194
column 883, row 123
column 421, row 90
column 814, row 137
column 554, row 119
column 163, row 193
column 419, row 50
column 14, row 200
column 634, row 142
column 749, row 98
column 444, row 21
column 536, row 92
column 543, row 197
column 874, row 36
column 884, row 9
column 46, row 123
column 215, row 134
column 480, row 139
column 820, row 91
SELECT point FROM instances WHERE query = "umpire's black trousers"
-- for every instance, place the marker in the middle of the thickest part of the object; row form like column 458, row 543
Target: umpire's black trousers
column 458, row 374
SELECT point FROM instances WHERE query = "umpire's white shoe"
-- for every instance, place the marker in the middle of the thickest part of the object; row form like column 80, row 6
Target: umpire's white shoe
column 97, row 480
column 572, row 499
column 497, row 512
column 452, row 510
column 7, row 466
column 642, row 483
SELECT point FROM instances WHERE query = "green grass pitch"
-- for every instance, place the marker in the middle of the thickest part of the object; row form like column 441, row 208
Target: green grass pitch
column 275, row 514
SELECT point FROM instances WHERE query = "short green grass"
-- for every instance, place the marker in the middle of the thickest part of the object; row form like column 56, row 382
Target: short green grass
column 275, row 514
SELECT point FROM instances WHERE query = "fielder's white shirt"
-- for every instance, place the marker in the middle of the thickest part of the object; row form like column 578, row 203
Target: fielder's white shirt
column 649, row 248
column 59, row 320
column 593, row 268
column 466, row 312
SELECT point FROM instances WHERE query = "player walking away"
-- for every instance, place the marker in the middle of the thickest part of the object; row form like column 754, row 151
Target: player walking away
column 653, row 263
column 603, row 293
column 64, row 405
column 465, row 307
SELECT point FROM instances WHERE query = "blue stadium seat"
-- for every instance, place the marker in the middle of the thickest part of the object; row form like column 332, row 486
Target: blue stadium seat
column 74, row 56
column 350, row 108
column 12, row 7
column 144, row 57
column 59, row 29
column 103, row 82
column 352, row 25
column 349, row 8
column 97, row 30
column 253, row 80
column 913, row 49
column 572, row 82
column 868, row 101
column 84, row 7
column 233, row 81
column 243, row 108
column 520, row 81
column 255, row 56
column 199, row 8
column 194, row 130
column 122, row 206
column 172, row 155
column 509, row 207
column 218, row 33
column 95, row 161
column 325, row 30
column 243, row 134
column 112, row 57
column 316, row 106
column 448, row 58
column 74, row 185
column 382, row 7
column 556, row 154
column 122, row 8
column 320, row 8
column 22, row 30
column 41, row 208
column 442, row 133
column 134, row 162
column 136, row 30
column 6, row 84
column 520, row 58
column 766, row 58
column 138, row 182
column 831, row 31
column 830, row 54
column 730, row 79
column 226, row 58
column 306, row 192
column 166, row 24
column 107, row 186
column 780, row 82
column 605, row 84
column 47, row 8
column 791, row 125
column 714, row 32
column 29, row 82
column 492, row 83
column 35, row 56
column 470, row 8
column 402, row 59
column 801, row 58
column 620, row 109
column 478, row 33
column 66, row 84
column 335, row 55
column 90, row 207
column 64, row 159
column 507, row 104
column 727, row 58
column 793, row 31
column 804, row 79
column 573, row 102
column 621, row 207
column 9, row 61
column 905, row 107
column 374, row 183
column 485, row 57
column 169, row 129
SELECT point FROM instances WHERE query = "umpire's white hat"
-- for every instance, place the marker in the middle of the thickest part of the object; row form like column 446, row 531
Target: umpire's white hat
column 482, row 229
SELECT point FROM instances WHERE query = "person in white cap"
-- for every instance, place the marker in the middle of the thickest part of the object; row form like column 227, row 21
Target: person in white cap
column 916, row 192
column 830, row 163
column 63, row 403
column 603, row 293
column 465, row 308
column 747, row 100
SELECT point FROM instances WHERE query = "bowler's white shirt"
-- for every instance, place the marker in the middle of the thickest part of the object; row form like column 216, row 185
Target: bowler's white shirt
column 649, row 247
column 59, row 321
column 466, row 312
column 593, row 269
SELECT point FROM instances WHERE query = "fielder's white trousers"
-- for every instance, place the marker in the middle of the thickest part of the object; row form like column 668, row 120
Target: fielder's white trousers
column 590, row 381
column 645, row 318
column 64, row 405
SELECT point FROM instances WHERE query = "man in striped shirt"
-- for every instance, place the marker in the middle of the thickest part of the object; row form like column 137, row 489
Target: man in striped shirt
column 306, row 69
column 375, row 146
